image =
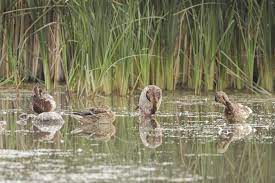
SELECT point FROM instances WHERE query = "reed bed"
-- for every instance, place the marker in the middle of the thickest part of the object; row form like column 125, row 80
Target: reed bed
column 118, row 46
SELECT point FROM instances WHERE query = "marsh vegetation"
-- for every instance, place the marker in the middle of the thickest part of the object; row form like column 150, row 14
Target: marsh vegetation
column 117, row 46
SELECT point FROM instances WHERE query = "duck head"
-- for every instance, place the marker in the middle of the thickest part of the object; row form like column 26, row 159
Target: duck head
column 40, row 91
column 36, row 90
column 221, row 97
column 154, row 95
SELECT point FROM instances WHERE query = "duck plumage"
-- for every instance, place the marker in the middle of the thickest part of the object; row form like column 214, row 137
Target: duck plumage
column 42, row 102
column 234, row 112
column 150, row 100
column 95, row 114
column 97, row 122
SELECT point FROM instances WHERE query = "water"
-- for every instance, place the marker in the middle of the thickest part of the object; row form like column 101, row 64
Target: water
column 187, row 142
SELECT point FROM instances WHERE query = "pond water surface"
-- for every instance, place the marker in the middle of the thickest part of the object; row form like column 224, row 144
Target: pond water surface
column 188, row 141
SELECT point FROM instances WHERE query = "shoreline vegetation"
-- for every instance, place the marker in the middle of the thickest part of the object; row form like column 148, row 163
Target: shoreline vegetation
column 104, row 46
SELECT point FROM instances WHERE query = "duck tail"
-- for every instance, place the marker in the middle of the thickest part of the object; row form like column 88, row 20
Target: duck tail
column 76, row 131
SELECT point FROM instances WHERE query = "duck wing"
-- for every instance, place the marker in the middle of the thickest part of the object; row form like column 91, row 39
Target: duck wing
column 238, row 114
column 40, row 105
column 100, row 110
column 86, row 117
column 47, row 96
column 244, row 111
column 83, row 113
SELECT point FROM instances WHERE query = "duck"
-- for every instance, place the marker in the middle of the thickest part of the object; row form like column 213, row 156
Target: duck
column 42, row 102
column 234, row 112
column 96, row 122
column 102, row 114
column 149, row 100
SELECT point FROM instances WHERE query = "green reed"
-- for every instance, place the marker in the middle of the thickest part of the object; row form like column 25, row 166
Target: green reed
column 117, row 46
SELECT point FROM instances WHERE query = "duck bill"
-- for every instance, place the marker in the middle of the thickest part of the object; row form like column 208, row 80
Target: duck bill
column 154, row 102
column 216, row 99
column 154, row 107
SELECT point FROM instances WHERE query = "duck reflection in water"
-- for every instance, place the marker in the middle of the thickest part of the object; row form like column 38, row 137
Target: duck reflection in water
column 231, row 133
column 47, row 125
column 95, row 123
column 46, row 136
column 3, row 125
column 150, row 132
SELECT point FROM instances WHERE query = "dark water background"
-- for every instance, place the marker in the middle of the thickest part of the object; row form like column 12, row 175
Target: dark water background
column 187, row 142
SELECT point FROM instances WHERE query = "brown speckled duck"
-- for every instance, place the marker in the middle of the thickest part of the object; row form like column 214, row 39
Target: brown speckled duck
column 96, row 122
column 149, row 100
column 234, row 112
column 95, row 114
column 42, row 102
